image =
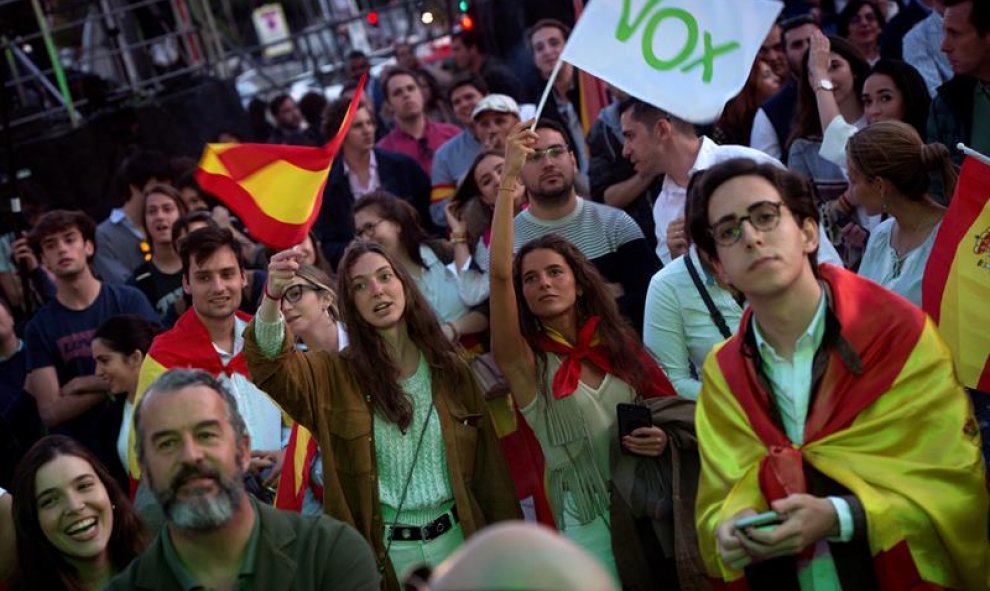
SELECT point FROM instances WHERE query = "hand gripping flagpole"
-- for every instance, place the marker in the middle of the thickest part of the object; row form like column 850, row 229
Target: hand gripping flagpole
column 973, row 153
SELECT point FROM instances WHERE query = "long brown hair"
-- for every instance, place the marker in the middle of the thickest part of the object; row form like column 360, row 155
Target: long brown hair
column 476, row 214
column 42, row 565
column 614, row 330
column 893, row 150
column 736, row 122
column 372, row 364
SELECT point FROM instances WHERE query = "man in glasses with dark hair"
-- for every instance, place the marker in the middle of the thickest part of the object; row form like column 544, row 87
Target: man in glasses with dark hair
column 610, row 239
column 838, row 450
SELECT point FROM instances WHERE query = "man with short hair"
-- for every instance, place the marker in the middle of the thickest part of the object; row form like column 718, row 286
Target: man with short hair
column 607, row 236
column 209, row 336
column 288, row 122
column 772, row 122
column 922, row 47
column 361, row 168
column 455, row 156
column 547, row 38
column 813, row 409
column 415, row 134
column 194, row 448
column 469, row 56
column 121, row 244
column 772, row 52
column 961, row 109
column 658, row 143
column 71, row 400
column 358, row 65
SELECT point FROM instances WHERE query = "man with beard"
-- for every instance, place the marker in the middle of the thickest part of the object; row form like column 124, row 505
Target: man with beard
column 71, row 400
column 208, row 337
column 607, row 236
column 194, row 447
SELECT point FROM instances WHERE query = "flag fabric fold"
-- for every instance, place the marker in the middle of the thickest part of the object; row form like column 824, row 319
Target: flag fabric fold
column 955, row 289
column 687, row 57
column 275, row 190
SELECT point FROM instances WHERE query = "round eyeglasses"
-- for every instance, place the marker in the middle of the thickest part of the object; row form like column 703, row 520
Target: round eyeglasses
column 294, row 293
column 763, row 216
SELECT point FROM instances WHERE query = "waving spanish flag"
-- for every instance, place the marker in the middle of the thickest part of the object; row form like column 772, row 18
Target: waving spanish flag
column 957, row 277
column 275, row 190
column 892, row 426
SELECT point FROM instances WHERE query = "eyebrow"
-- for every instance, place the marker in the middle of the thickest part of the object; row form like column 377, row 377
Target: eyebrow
column 200, row 425
column 733, row 216
column 74, row 481
column 375, row 272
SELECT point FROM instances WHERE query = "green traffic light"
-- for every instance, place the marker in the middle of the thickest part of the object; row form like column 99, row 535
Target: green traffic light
column 463, row 5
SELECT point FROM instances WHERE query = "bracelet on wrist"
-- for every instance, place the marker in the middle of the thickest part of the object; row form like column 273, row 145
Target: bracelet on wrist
column 509, row 189
column 458, row 235
column 270, row 296
column 458, row 240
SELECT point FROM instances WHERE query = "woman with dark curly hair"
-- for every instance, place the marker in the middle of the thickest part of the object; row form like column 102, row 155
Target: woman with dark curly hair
column 75, row 527
column 570, row 357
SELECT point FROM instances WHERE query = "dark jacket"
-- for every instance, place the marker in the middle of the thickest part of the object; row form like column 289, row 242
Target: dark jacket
column 399, row 175
column 294, row 552
column 500, row 79
column 607, row 166
column 780, row 110
column 892, row 38
column 951, row 118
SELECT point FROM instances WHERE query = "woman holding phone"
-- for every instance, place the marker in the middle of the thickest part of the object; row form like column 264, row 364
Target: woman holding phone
column 569, row 356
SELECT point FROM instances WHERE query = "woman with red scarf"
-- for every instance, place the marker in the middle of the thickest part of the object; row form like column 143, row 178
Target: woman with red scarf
column 570, row 358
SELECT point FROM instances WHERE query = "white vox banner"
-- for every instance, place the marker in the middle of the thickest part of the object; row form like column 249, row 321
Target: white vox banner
column 687, row 57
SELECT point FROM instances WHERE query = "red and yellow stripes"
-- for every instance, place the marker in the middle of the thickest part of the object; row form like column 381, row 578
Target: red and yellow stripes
column 440, row 192
column 276, row 190
column 956, row 285
column 899, row 434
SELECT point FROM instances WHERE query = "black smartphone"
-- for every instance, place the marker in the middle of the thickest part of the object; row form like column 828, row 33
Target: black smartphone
column 631, row 417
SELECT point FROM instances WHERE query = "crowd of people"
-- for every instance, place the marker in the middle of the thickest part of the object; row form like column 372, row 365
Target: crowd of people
column 696, row 352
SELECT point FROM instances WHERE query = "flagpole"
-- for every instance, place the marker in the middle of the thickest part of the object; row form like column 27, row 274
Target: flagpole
column 546, row 91
column 973, row 153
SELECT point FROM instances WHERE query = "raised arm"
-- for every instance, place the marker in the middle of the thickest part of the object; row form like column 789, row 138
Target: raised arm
column 511, row 351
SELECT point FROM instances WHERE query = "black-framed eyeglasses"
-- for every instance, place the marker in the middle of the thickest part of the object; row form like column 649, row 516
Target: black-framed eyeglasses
column 554, row 151
column 763, row 216
column 294, row 293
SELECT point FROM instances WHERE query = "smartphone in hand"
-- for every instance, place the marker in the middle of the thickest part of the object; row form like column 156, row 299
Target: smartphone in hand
column 767, row 521
column 630, row 418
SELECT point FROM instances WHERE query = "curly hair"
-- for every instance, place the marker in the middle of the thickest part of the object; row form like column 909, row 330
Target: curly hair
column 615, row 332
column 372, row 364
column 42, row 565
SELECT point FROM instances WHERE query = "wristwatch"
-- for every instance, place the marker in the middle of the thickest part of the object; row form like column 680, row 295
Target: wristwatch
column 825, row 84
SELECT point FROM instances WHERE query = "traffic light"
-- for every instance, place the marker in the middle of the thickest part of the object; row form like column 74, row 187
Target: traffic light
column 463, row 5
column 373, row 18
column 467, row 23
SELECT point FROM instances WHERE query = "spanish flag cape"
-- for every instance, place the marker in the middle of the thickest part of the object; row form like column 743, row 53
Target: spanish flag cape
column 186, row 345
column 898, row 433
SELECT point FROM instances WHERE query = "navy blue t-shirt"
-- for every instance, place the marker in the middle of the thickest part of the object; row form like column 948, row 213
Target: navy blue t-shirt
column 59, row 337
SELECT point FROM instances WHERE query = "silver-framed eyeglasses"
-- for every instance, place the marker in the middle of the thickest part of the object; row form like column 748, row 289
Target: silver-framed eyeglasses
column 367, row 229
column 763, row 216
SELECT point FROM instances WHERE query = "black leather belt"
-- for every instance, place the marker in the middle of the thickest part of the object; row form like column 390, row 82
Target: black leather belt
column 425, row 533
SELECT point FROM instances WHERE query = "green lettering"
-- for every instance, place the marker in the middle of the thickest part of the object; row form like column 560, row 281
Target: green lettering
column 707, row 58
column 625, row 30
column 651, row 28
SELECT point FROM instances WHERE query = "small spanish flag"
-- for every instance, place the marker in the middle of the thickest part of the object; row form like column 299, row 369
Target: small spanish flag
column 275, row 190
column 957, row 276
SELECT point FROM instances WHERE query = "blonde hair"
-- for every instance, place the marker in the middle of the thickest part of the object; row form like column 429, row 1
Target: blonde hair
column 317, row 277
column 894, row 151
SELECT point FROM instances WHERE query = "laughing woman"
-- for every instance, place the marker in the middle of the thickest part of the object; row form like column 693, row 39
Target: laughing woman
column 410, row 456
column 75, row 527
column 570, row 358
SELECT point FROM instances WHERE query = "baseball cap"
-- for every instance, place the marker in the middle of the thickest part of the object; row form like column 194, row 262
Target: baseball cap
column 499, row 103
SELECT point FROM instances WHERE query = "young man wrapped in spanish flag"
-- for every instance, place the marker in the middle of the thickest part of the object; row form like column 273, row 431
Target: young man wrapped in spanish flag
column 836, row 406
